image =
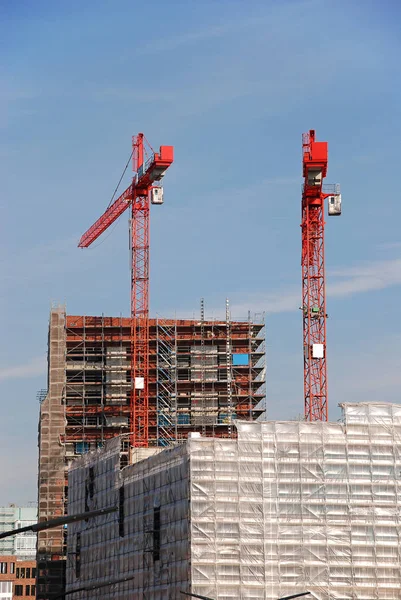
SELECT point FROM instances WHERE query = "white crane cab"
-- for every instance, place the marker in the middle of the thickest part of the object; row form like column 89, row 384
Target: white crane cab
column 334, row 204
column 156, row 194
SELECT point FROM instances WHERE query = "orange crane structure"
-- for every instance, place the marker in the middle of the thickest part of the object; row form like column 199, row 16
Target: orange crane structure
column 149, row 167
column 315, row 161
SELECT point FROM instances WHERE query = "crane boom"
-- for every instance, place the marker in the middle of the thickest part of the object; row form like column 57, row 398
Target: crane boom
column 107, row 218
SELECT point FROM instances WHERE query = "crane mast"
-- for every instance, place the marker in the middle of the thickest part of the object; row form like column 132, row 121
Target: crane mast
column 315, row 161
column 144, row 190
column 139, row 303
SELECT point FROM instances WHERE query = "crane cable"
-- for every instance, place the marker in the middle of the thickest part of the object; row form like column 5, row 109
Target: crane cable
column 111, row 201
column 121, row 178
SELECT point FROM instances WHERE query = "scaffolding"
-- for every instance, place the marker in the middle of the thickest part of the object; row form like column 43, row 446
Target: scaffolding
column 218, row 375
column 166, row 383
column 97, row 381
column 286, row 507
column 194, row 385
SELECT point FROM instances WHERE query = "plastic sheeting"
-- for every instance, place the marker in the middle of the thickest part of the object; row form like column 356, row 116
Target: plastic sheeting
column 288, row 507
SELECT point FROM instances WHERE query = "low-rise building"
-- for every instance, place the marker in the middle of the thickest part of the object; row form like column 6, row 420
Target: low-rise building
column 17, row 578
column 23, row 545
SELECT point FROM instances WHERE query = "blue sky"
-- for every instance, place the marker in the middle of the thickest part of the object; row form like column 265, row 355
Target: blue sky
column 232, row 85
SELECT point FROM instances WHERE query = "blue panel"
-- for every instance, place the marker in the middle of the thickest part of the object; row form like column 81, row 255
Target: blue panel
column 183, row 420
column 240, row 360
column 163, row 421
column 81, row 447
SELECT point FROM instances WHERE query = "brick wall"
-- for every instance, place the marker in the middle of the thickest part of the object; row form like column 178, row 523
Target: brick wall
column 21, row 573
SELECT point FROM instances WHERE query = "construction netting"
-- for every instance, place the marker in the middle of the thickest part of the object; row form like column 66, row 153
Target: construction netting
column 287, row 507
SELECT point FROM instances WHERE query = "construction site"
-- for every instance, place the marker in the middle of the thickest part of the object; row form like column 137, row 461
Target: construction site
column 202, row 376
column 164, row 421
column 286, row 507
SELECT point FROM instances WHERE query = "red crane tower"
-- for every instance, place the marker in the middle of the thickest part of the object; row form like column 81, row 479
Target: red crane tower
column 149, row 168
column 315, row 160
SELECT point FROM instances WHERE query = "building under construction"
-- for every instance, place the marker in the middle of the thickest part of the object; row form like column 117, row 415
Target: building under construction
column 286, row 507
column 203, row 375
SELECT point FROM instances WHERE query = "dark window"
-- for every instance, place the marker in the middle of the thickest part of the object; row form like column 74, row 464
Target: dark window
column 12, row 568
column 78, row 556
column 17, row 575
column 91, row 482
column 33, row 590
column 28, row 573
column 156, row 533
column 27, row 590
column 33, row 573
column 121, row 512
column 93, row 358
column 21, row 573
column 3, row 568
column 86, row 498
column 19, row 590
column 92, row 421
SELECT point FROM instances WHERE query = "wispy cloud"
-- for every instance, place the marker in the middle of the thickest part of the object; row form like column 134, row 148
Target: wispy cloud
column 365, row 278
column 33, row 368
column 389, row 246
column 170, row 43
column 201, row 35
column 215, row 81
column 15, row 102
column 348, row 281
column 278, row 11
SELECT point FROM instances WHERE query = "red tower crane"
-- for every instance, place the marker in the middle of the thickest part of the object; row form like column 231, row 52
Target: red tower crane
column 315, row 160
column 149, row 168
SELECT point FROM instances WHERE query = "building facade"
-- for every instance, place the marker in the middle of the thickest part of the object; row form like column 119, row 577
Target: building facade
column 286, row 507
column 17, row 578
column 13, row 517
column 203, row 375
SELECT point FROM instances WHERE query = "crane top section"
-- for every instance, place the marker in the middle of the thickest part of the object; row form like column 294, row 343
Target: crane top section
column 315, row 162
column 149, row 167
column 155, row 167
column 152, row 168
column 314, row 158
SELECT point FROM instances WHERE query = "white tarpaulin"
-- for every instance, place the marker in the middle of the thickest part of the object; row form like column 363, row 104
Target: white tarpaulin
column 285, row 508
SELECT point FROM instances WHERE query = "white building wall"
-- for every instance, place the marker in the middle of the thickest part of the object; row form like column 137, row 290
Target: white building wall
column 13, row 517
column 6, row 590
column 286, row 508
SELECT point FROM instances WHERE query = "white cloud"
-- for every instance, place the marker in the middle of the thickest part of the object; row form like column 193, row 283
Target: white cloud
column 34, row 367
column 345, row 281
column 365, row 278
